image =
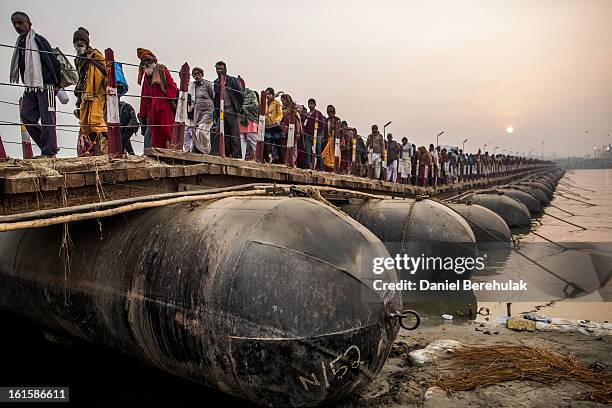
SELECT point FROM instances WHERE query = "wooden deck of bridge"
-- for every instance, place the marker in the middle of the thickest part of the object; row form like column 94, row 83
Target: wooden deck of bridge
column 29, row 185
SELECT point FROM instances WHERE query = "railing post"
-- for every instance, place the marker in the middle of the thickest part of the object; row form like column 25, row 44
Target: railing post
column 353, row 166
column 313, row 156
column 180, row 117
column 113, row 122
column 222, row 117
column 261, row 129
column 26, row 142
column 383, row 164
column 336, row 148
column 290, row 138
column 3, row 157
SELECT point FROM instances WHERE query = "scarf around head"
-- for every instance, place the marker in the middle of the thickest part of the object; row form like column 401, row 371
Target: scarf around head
column 289, row 105
column 142, row 53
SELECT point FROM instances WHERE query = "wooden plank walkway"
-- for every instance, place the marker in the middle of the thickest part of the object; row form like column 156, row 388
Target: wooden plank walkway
column 29, row 185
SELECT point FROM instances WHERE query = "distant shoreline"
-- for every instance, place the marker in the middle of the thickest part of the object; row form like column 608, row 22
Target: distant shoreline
column 576, row 163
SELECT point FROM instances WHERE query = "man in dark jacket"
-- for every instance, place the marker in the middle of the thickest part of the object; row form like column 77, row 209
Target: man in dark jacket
column 128, row 122
column 393, row 154
column 232, row 103
column 361, row 157
column 313, row 119
column 413, row 163
column 40, row 73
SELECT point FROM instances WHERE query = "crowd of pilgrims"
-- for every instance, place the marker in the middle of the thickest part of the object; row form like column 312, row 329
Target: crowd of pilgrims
column 294, row 135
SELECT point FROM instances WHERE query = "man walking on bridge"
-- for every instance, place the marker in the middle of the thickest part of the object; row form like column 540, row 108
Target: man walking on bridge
column 40, row 73
column 393, row 154
column 90, row 92
column 202, row 95
column 376, row 145
column 314, row 118
column 232, row 103
column 158, row 103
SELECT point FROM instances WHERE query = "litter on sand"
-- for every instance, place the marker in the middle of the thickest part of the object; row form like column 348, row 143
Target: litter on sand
column 473, row 367
column 434, row 351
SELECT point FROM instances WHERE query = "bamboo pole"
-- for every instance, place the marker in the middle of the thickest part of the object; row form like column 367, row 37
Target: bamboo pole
column 123, row 209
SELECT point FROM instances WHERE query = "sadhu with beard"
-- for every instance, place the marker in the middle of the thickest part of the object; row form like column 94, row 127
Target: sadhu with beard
column 90, row 92
column 158, row 102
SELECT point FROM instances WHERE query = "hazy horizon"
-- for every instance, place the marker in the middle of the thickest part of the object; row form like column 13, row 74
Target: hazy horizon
column 468, row 68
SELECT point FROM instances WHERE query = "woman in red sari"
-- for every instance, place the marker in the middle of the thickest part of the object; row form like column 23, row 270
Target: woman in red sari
column 289, row 108
column 423, row 166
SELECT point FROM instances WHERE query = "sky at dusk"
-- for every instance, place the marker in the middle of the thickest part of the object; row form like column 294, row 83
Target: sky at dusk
column 468, row 68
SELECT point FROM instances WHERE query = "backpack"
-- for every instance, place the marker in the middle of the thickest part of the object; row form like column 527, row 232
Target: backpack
column 68, row 75
column 120, row 77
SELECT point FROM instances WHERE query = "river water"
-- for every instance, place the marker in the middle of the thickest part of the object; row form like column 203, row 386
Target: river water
column 567, row 268
column 587, row 263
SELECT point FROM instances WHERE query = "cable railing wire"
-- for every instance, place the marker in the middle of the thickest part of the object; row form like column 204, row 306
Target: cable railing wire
column 212, row 132
column 20, row 143
column 122, row 63
column 132, row 65
column 140, row 96
column 233, row 136
column 119, row 62
column 17, row 104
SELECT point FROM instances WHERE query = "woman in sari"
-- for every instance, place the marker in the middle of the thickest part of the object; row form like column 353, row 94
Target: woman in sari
column 333, row 129
column 423, row 166
column 290, row 112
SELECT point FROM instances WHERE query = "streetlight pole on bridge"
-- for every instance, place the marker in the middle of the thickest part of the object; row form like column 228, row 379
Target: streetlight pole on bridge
column 385, row 129
column 438, row 138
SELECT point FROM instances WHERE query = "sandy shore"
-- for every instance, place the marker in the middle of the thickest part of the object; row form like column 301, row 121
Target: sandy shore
column 401, row 384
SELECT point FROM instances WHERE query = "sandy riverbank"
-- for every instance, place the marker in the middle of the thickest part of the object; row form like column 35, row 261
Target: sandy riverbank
column 401, row 384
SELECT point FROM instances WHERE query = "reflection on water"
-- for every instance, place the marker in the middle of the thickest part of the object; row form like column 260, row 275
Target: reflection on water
column 462, row 305
column 551, row 272
column 575, row 275
column 579, row 279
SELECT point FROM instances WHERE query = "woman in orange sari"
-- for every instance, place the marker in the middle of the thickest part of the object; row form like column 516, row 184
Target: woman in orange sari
column 333, row 129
